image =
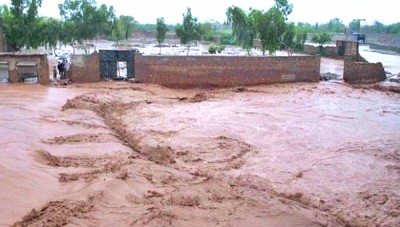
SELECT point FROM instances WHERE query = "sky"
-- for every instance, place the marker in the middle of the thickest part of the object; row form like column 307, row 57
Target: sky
column 311, row 11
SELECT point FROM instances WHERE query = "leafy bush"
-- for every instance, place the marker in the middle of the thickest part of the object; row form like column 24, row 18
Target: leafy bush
column 212, row 49
column 220, row 48
column 227, row 39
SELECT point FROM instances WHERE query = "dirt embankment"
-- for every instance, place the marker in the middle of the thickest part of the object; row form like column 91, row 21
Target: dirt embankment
column 265, row 156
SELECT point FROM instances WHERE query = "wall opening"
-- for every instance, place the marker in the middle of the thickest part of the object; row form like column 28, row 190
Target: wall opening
column 122, row 70
column 4, row 73
column 27, row 72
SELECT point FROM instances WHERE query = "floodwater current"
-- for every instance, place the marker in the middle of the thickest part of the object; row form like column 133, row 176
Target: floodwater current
column 132, row 155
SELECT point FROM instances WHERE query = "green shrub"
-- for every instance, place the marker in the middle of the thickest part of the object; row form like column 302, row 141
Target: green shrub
column 227, row 39
column 212, row 49
column 220, row 48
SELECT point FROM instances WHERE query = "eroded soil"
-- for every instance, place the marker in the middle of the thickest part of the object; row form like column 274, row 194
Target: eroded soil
column 131, row 155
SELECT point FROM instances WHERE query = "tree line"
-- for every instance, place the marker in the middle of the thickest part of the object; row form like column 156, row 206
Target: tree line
column 84, row 21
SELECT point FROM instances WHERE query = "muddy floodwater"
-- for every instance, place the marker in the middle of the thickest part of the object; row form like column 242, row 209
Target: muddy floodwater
column 119, row 154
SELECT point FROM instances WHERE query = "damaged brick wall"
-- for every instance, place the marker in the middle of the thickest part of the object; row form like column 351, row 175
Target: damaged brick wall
column 225, row 71
column 84, row 68
column 41, row 61
column 327, row 51
column 362, row 72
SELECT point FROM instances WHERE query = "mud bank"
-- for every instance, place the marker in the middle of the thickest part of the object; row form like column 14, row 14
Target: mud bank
column 283, row 155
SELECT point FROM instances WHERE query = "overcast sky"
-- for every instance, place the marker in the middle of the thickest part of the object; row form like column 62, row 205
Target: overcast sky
column 312, row 11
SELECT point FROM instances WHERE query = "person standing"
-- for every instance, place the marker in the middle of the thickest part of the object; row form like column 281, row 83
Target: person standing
column 60, row 68
column 54, row 73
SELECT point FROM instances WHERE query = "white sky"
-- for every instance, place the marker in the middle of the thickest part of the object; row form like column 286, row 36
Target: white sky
column 311, row 11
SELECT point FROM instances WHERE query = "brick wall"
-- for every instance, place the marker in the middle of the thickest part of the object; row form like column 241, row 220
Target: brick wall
column 362, row 72
column 84, row 68
column 211, row 71
column 350, row 47
column 327, row 51
column 40, row 60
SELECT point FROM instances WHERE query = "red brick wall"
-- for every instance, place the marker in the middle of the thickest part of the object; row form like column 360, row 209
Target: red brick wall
column 211, row 71
column 40, row 59
column 362, row 72
column 84, row 68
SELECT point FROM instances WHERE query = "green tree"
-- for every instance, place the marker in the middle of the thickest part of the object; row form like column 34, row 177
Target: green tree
column 243, row 27
column 288, row 41
column 117, row 33
column 128, row 25
column 20, row 21
column 306, row 27
column 48, row 32
column 394, row 28
column 69, row 33
column 334, row 25
column 322, row 38
column 85, row 20
column 376, row 28
column 161, row 31
column 284, row 6
column 355, row 25
column 188, row 32
column 271, row 28
column 300, row 39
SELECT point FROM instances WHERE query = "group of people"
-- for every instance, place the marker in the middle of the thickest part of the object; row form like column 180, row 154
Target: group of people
column 61, row 68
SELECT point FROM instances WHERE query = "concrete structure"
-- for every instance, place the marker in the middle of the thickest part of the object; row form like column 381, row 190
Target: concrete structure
column 16, row 67
column 211, row 71
column 362, row 72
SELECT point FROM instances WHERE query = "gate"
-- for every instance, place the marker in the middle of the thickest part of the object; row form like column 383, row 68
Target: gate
column 109, row 62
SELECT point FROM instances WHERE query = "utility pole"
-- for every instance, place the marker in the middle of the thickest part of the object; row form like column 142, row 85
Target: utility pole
column 360, row 37
column 358, row 24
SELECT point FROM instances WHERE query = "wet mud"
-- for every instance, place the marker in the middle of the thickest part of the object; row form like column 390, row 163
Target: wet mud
column 131, row 155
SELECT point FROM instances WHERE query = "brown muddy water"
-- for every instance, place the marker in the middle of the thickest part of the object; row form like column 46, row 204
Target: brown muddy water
column 120, row 154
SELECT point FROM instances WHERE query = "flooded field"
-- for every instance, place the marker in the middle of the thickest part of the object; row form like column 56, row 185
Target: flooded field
column 120, row 154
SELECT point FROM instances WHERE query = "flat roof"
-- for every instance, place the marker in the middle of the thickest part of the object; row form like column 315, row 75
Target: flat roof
column 26, row 63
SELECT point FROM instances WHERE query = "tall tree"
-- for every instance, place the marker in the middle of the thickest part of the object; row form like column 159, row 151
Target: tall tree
column 161, row 31
column 271, row 27
column 188, row 32
column 85, row 20
column 48, row 32
column 285, row 7
column 128, row 25
column 294, row 38
column 117, row 33
column 334, row 25
column 322, row 38
column 243, row 27
column 288, row 40
column 20, row 22
column 300, row 39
